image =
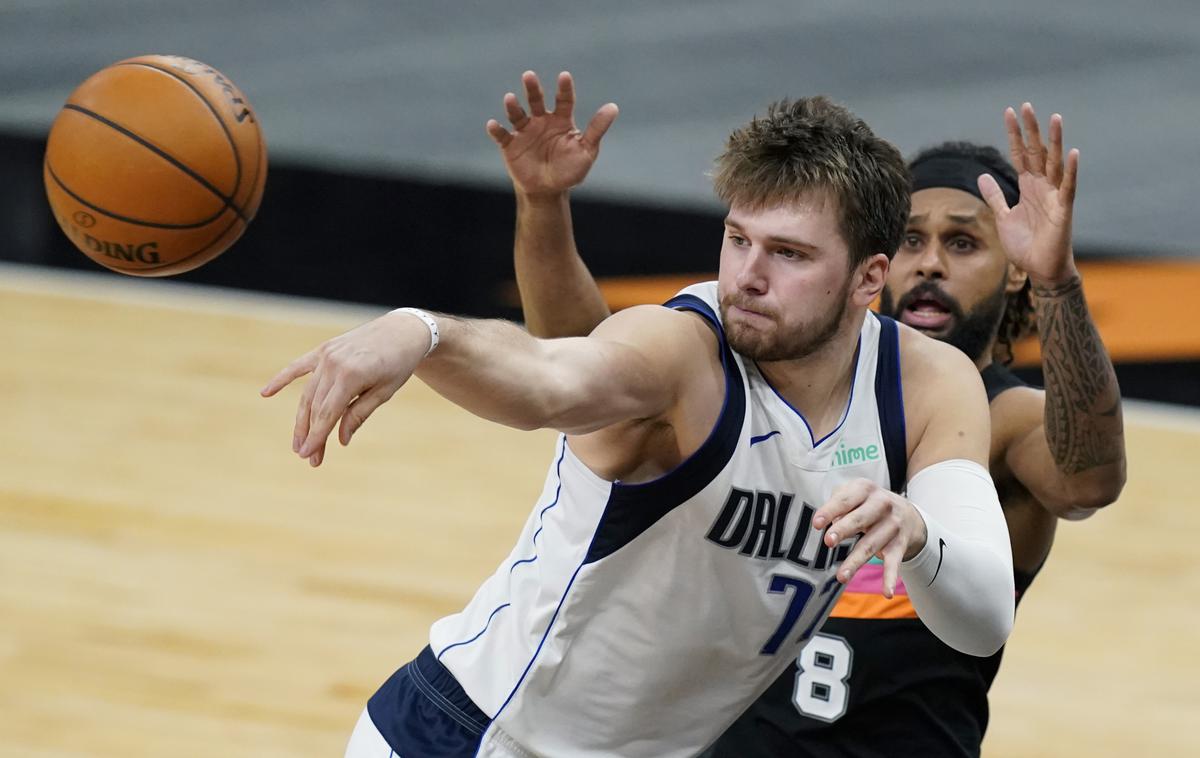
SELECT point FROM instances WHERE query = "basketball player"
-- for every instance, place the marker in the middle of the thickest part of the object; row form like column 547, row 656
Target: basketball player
column 875, row 681
column 695, row 526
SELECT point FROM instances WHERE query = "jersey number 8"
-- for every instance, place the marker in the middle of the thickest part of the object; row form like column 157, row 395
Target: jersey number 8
column 822, row 668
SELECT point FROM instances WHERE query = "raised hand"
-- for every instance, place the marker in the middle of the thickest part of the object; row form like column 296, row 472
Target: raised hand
column 1036, row 232
column 545, row 153
column 352, row 375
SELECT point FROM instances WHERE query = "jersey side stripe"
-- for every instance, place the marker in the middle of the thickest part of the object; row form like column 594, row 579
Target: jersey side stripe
column 477, row 636
column 557, row 495
column 542, row 515
column 537, row 652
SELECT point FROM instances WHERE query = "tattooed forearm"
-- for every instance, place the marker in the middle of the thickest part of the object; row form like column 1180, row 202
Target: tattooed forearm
column 1083, row 403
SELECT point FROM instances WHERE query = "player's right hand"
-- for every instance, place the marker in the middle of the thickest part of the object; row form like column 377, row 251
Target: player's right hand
column 352, row 375
column 545, row 153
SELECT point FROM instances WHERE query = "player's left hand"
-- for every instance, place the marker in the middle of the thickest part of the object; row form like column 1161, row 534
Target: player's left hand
column 1036, row 232
column 890, row 525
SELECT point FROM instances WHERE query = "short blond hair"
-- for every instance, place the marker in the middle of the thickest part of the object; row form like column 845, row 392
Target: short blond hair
column 814, row 144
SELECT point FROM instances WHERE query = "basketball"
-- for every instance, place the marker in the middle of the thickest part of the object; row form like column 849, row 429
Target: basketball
column 155, row 165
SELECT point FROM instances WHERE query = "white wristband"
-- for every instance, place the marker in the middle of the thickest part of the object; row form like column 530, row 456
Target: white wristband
column 429, row 322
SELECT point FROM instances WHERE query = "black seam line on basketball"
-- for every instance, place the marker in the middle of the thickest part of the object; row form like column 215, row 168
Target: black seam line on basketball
column 160, row 153
column 130, row 219
column 237, row 159
column 258, row 164
column 191, row 255
column 258, row 161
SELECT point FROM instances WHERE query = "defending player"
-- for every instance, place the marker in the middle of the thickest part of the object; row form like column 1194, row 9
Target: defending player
column 694, row 527
column 874, row 681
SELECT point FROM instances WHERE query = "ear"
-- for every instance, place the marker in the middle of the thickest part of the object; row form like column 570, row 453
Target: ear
column 869, row 279
column 1014, row 280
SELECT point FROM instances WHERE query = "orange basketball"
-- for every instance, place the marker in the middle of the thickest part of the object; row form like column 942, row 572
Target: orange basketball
column 155, row 165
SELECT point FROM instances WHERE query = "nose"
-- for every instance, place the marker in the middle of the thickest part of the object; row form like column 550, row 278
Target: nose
column 932, row 262
column 752, row 274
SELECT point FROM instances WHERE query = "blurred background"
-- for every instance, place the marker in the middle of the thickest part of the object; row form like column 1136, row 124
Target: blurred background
column 381, row 173
column 384, row 188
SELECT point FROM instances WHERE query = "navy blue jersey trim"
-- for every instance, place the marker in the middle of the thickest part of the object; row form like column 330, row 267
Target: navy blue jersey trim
column 634, row 508
column 889, row 396
column 695, row 304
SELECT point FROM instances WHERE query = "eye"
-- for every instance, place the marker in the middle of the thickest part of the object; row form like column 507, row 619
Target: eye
column 789, row 254
column 738, row 240
column 962, row 244
column 911, row 241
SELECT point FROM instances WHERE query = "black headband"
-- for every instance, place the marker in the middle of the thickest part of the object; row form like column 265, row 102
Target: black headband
column 960, row 174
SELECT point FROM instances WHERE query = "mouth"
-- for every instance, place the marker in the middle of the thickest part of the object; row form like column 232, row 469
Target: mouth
column 926, row 313
column 749, row 315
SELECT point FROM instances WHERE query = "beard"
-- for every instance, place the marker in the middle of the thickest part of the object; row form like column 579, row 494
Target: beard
column 760, row 345
column 971, row 332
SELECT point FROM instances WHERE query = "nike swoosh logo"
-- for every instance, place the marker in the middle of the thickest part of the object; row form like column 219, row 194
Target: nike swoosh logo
column 763, row 437
column 941, row 554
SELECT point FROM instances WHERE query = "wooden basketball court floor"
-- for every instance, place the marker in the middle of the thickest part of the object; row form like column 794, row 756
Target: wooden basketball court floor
column 174, row 582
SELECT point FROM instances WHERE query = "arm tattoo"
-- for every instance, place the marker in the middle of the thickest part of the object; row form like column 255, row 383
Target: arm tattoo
column 1083, row 401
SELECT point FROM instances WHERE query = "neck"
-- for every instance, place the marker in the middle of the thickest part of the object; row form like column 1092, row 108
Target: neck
column 818, row 385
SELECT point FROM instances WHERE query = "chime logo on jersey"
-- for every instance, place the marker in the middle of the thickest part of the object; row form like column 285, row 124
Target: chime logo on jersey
column 849, row 456
column 756, row 524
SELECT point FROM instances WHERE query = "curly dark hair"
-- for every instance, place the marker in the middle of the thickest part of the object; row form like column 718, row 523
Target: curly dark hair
column 815, row 144
column 1019, row 319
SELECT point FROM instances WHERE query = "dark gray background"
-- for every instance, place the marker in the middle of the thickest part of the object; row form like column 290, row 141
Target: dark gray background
column 404, row 88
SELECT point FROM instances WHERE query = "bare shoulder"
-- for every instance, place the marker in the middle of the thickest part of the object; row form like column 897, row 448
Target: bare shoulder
column 928, row 366
column 945, row 406
column 681, row 348
column 1016, row 413
column 659, row 329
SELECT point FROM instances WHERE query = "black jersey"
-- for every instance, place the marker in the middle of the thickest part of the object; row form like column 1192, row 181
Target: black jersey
column 874, row 682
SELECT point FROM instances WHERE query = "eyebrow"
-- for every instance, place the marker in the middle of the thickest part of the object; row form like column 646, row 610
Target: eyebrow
column 969, row 219
column 787, row 241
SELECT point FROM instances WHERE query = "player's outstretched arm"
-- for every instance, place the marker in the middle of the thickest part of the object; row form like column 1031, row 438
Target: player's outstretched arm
column 496, row 370
column 1074, row 460
column 546, row 155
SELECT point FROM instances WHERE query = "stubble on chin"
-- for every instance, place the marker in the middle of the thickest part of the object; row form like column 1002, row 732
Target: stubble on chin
column 743, row 338
column 747, row 342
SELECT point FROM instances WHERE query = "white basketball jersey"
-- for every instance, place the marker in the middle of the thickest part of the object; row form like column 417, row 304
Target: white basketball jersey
column 642, row 619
